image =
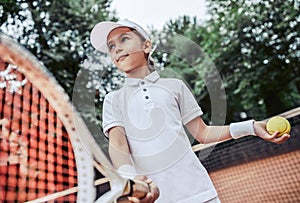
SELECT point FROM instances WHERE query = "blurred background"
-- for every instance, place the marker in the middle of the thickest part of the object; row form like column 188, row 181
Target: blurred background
column 255, row 45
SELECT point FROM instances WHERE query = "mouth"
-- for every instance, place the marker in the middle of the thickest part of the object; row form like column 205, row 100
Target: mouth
column 121, row 57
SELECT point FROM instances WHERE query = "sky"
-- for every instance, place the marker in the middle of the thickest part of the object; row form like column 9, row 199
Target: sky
column 157, row 12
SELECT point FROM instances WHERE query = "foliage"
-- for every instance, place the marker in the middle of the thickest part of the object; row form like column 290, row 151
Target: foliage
column 260, row 53
column 96, row 78
column 255, row 47
column 57, row 32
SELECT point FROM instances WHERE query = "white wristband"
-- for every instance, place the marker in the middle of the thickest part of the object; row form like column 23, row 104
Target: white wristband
column 241, row 129
column 127, row 171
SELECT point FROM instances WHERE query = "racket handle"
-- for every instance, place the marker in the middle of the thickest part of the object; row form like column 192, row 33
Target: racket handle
column 134, row 188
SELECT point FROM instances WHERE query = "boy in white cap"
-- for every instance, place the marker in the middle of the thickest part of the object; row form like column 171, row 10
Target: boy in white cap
column 144, row 121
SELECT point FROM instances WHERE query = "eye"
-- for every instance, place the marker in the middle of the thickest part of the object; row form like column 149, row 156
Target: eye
column 111, row 47
column 124, row 39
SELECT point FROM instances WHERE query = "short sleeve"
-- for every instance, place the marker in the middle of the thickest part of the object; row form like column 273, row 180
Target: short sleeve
column 188, row 105
column 111, row 114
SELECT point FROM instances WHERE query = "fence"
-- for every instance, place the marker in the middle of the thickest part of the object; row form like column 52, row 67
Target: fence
column 253, row 170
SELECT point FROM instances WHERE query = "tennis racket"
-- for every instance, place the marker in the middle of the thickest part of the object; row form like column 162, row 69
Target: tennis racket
column 47, row 152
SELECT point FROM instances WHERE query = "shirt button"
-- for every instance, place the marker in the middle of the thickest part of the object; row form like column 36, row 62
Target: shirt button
column 144, row 90
column 146, row 97
column 142, row 83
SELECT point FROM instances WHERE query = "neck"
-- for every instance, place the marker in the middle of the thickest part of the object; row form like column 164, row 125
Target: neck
column 138, row 72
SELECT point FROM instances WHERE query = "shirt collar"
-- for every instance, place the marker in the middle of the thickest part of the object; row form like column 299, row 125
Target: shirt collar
column 152, row 77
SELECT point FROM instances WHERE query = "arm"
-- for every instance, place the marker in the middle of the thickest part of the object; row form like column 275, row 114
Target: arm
column 119, row 151
column 209, row 134
column 120, row 155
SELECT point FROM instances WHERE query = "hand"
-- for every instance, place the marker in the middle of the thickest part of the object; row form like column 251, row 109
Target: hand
column 151, row 196
column 260, row 130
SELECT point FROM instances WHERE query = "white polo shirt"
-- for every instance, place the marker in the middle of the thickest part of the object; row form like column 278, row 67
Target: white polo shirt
column 153, row 111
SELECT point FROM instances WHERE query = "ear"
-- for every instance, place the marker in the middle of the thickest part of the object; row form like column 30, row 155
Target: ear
column 147, row 46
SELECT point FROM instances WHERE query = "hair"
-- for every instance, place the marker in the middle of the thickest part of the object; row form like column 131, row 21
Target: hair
column 150, row 60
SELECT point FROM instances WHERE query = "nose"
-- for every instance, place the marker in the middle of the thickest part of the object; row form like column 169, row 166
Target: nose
column 118, row 48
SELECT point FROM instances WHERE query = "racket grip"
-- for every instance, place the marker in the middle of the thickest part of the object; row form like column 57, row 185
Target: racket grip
column 134, row 188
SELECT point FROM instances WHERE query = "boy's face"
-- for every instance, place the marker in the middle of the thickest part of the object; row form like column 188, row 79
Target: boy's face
column 126, row 49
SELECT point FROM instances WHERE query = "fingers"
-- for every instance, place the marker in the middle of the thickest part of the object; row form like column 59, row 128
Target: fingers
column 154, row 191
column 141, row 178
column 274, row 137
column 260, row 129
column 269, row 137
column 148, row 199
column 281, row 139
column 151, row 196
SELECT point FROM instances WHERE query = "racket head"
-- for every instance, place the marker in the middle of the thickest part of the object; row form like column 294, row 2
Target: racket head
column 84, row 147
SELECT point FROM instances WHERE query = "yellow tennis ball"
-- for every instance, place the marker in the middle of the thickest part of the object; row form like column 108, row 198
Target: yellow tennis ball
column 280, row 124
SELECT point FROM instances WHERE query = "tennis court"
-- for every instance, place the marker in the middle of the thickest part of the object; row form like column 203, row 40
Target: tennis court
column 37, row 157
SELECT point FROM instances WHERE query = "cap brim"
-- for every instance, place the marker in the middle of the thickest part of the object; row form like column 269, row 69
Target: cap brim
column 99, row 35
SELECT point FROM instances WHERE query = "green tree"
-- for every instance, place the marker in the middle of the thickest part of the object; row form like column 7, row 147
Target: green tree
column 183, row 42
column 260, row 53
column 57, row 32
column 255, row 47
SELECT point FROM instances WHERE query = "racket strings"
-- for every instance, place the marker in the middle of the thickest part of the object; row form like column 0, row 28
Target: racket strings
column 36, row 156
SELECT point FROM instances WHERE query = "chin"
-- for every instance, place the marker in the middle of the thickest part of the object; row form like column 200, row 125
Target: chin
column 124, row 67
column 131, row 68
column 128, row 69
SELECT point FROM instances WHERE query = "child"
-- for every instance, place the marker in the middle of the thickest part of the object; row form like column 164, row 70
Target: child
column 144, row 121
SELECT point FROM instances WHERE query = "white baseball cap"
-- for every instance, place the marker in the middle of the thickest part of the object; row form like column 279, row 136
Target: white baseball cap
column 101, row 31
